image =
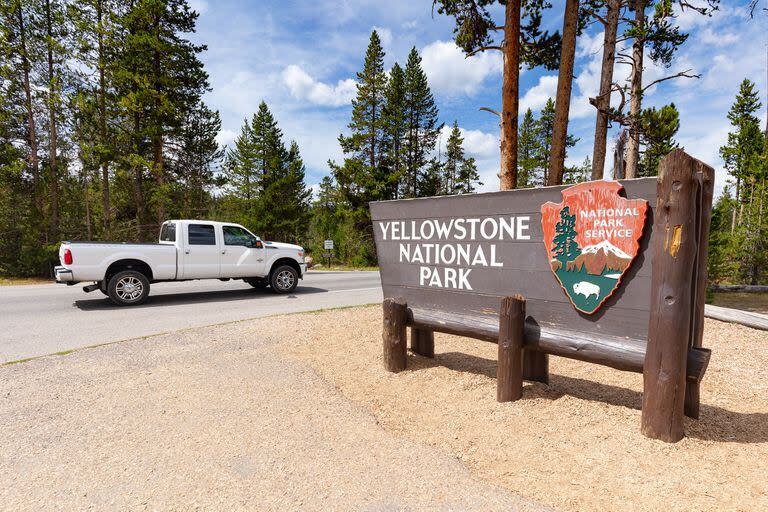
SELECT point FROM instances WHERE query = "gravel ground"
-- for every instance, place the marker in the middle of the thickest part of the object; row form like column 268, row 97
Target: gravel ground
column 573, row 445
column 214, row 419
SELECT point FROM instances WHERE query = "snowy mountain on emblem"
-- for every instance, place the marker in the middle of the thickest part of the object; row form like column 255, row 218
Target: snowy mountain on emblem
column 601, row 258
column 606, row 246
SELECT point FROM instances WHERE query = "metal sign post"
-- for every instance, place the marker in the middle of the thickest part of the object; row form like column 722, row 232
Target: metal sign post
column 328, row 246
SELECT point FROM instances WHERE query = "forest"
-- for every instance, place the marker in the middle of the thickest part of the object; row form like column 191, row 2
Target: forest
column 104, row 132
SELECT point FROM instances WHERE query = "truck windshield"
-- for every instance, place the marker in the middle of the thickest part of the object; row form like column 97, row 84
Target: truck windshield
column 168, row 232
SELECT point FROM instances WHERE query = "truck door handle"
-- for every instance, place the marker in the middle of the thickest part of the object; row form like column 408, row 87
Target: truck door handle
column 186, row 252
column 224, row 251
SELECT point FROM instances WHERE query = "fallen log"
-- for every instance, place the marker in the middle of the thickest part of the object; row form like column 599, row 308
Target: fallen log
column 737, row 316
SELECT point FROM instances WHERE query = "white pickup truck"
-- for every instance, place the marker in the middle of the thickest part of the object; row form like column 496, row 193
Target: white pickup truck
column 187, row 249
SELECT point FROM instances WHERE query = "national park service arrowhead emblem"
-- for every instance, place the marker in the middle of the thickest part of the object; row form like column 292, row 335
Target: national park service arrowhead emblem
column 592, row 237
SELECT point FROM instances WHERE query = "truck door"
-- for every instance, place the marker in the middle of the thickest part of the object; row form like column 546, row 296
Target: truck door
column 201, row 252
column 242, row 254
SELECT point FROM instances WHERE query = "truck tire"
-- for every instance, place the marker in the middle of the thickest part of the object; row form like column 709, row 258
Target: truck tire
column 258, row 282
column 284, row 279
column 128, row 288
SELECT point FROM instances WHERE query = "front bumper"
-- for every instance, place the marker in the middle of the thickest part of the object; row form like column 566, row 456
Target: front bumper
column 303, row 267
column 63, row 275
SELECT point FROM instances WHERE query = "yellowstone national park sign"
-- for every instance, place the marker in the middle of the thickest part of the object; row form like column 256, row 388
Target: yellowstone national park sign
column 463, row 253
column 591, row 239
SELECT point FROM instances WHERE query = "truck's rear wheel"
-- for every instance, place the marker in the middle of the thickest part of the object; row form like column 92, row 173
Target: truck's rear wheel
column 284, row 279
column 128, row 288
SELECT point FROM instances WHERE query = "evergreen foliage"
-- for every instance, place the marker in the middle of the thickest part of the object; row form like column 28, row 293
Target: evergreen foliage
column 657, row 136
column 566, row 248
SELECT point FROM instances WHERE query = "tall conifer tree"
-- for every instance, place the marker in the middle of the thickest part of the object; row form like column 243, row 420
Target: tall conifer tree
column 421, row 123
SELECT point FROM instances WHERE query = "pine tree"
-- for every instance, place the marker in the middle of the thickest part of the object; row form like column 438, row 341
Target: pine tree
column 394, row 130
column 431, row 182
column 546, row 126
column 468, row 177
column 366, row 143
column 454, row 158
column 528, row 151
column 657, row 134
column 196, row 163
column 284, row 203
column 522, row 42
column 159, row 76
column 566, row 248
column 742, row 153
column 421, row 123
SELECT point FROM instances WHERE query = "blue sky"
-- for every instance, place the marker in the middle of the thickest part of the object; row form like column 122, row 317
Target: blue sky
column 301, row 58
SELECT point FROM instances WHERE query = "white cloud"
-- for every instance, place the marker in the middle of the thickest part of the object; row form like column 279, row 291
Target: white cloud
column 225, row 136
column 535, row 97
column 450, row 72
column 477, row 143
column 304, row 87
column 385, row 35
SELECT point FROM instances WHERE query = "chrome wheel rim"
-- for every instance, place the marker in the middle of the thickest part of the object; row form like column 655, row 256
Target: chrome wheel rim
column 129, row 288
column 285, row 279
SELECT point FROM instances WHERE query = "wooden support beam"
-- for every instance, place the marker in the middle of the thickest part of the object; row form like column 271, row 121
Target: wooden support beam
column 509, row 373
column 394, row 335
column 423, row 342
column 669, row 332
column 535, row 366
column 705, row 176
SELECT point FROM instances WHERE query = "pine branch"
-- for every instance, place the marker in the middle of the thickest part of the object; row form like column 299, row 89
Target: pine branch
column 482, row 49
column 682, row 74
column 491, row 111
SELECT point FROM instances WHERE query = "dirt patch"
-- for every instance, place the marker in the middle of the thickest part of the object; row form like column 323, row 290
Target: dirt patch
column 575, row 444
column 755, row 302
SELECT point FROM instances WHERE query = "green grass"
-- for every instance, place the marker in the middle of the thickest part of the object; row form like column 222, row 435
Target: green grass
column 343, row 268
column 754, row 302
column 14, row 281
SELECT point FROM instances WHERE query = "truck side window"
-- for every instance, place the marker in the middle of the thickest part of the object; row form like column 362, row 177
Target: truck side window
column 201, row 234
column 168, row 233
column 234, row 235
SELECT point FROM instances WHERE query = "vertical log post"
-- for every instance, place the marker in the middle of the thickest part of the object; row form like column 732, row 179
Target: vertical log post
column 509, row 375
column 394, row 335
column 706, row 179
column 535, row 366
column 423, row 342
column 674, row 255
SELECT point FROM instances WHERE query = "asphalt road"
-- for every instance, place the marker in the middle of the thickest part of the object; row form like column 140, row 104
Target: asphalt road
column 43, row 319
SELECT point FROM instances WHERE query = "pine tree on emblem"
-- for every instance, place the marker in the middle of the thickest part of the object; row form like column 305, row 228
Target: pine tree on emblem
column 566, row 247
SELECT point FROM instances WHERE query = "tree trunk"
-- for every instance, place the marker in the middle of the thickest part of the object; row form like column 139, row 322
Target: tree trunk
column 138, row 192
column 157, row 150
column 563, row 100
column 103, row 123
column 34, row 160
column 603, row 102
column 510, row 96
column 635, row 104
column 53, row 137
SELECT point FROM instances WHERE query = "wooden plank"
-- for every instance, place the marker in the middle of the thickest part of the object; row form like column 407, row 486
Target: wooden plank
column 737, row 316
column 612, row 321
column 509, row 373
column 423, row 342
column 617, row 352
column 394, row 335
column 492, row 203
column 669, row 330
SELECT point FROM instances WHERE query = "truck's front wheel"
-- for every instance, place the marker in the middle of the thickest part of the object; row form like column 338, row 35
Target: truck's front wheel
column 284, row 279
column 128, row 288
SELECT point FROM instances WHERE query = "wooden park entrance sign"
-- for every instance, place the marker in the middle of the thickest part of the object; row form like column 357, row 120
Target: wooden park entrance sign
column 612, row 273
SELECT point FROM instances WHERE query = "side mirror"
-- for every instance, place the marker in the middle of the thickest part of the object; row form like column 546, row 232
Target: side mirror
column 257, row 244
